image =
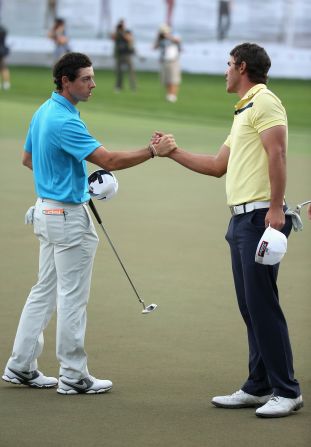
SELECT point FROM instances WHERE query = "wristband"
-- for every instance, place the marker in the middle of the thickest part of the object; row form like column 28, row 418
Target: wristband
column 152, row 150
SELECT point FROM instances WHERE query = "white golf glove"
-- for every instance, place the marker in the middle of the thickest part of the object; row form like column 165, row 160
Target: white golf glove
column 29, row 216
column 296, row 219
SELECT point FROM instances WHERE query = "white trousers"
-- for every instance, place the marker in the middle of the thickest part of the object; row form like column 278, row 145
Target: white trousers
column 68, row 243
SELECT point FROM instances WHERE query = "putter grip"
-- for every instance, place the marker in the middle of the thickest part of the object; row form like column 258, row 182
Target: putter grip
column 94, row 210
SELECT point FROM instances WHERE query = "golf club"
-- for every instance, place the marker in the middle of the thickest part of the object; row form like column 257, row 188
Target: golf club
column 300, row 205
column 146, row 309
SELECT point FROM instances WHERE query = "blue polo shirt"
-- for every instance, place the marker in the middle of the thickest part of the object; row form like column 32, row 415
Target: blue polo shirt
column 59, row 143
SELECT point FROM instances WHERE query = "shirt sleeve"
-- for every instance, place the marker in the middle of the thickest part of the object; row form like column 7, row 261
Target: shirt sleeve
column 268, row 112
column 76, row 139
column 228, row 141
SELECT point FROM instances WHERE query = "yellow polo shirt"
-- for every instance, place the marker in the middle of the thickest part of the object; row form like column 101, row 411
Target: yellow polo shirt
column 247, row 177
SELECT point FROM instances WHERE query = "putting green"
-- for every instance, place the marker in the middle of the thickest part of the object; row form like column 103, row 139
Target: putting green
column 168, row 225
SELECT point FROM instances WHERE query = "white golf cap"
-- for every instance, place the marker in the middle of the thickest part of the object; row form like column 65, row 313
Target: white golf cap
column 165, row 29
column 271, row 247
column 103, row 185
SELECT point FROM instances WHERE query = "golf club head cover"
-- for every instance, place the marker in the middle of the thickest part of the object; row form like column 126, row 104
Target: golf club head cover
column 103, row 184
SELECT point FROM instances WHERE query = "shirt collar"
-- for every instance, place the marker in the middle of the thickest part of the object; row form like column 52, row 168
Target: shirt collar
column 249, row 95
column 64, row 101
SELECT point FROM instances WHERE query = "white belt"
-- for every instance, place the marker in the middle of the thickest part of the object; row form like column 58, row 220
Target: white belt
column 57, row 202
column 248, row 207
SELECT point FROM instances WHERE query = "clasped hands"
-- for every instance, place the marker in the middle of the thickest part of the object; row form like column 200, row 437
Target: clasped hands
column 162, row 144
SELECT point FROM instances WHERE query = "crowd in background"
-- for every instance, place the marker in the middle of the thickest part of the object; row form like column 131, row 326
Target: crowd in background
column 124, row 52
column 169, row 47
column 166, row 42
column 4, row 52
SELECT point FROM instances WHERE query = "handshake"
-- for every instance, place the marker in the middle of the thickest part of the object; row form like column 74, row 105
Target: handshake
column 161, row 145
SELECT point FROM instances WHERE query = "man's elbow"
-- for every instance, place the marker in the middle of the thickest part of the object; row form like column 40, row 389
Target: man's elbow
column 27, row 161
column 219, row 172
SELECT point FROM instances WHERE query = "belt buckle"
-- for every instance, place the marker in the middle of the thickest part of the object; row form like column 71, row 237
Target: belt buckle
column 233, row 210
column 236, row 209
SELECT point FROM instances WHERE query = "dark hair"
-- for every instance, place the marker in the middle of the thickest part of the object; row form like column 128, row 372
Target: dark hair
column 69, row 65
column 59, row 21
column 257, row 61
column 120, row 25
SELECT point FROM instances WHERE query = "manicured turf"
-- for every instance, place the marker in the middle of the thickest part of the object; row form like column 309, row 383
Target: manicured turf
column 202, row 97
column 168, row 225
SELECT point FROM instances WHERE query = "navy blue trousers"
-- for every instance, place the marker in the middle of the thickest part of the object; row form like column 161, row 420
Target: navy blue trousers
column 270, row 354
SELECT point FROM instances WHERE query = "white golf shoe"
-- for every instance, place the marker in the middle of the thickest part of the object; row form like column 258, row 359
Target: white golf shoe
column 88, row 385
column 239, row 399
column 278, row 407
column 171, row 98
column 34, row 379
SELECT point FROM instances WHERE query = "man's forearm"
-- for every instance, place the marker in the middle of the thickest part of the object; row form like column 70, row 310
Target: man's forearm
column 117, row 160
column 214, row 165
column 274, row 143
column 277, row 176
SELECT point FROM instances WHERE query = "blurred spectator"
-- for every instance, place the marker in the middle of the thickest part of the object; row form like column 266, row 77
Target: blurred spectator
column 169, row 11
column 4, row 51
column 169, row 47
column 123, row 53
column 224, row 18
column 50, row 12
column 309, row 211
column 104, row 22
column 60, row 38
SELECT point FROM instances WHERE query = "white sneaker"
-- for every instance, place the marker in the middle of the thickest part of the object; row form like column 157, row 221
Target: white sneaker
column 35, row 379
column 239, row 399
column 88, row 385
column 6, row 85
column 171, row 98
column 278, row 407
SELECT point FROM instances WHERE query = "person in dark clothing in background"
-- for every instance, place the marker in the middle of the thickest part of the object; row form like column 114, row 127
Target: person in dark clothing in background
column 4, row 52
column 123, row 53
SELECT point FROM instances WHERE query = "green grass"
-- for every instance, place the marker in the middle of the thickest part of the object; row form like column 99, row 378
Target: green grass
column 202, row 98
column 200, row 120
column 168, row 225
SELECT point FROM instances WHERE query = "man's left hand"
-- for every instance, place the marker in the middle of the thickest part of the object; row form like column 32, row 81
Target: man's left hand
column 275, row 217
column 165, row 145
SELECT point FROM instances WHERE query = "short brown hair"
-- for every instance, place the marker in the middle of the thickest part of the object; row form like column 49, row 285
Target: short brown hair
column 257, row 61
column 69, row 65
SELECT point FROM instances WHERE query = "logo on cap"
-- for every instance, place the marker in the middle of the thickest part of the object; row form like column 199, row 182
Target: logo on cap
column 263, row 248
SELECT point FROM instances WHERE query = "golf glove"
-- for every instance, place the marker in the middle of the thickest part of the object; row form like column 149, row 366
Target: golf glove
column 296, row 219
column 29, row 216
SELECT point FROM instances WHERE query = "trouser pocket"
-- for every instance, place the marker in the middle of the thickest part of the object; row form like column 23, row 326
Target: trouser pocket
column 49, row 222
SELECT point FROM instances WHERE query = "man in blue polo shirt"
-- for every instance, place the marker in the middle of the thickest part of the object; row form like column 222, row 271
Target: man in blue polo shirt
column 57, row 121
column 56, row 149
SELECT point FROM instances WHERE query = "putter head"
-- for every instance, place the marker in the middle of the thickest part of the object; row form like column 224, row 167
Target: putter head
column 149, row 308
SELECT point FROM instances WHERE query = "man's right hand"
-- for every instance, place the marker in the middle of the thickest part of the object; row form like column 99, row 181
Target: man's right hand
column 164, row 145
column 156, row 136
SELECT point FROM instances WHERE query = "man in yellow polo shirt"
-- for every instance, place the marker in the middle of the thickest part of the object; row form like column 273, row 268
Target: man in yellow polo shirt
column 254, row 159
